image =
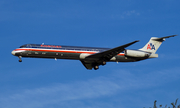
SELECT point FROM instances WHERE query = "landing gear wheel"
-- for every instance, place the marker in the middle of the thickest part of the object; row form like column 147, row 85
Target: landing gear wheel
column 103, row 63
column 96, row 67
column 20, row 60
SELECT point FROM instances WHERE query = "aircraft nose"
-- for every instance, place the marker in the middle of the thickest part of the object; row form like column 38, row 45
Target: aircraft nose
column 13, row 52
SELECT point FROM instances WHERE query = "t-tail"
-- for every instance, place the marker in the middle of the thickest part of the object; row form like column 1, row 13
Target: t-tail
column 153, row 45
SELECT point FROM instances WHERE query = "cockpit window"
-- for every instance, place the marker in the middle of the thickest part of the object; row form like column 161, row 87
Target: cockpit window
column 23, row 46
column 26, row 46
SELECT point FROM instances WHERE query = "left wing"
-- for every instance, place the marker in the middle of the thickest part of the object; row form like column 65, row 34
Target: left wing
column 98, row 58
column 107, row 55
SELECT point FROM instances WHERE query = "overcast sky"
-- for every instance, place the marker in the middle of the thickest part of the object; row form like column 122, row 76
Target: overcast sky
column 46, row 83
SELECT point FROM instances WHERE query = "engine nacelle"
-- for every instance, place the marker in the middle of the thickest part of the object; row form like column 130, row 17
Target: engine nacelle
column 83, row 55
column 134, row 53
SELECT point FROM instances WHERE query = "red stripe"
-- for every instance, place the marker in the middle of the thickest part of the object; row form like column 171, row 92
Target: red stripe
column 66, row 51
column 121, row 54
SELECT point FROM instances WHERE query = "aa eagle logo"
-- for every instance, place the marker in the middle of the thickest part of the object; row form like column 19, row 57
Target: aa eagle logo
column 150, row 46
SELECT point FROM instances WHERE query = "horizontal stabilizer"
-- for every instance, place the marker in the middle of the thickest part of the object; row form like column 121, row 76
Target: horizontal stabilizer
column 163, row 38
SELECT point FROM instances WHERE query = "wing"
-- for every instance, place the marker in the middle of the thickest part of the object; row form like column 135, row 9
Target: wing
column 107, row 55
column 96, row 59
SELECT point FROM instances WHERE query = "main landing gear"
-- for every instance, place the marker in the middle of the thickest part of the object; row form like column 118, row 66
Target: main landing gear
column 20, row 60
column 103, row 63
column 96, row 66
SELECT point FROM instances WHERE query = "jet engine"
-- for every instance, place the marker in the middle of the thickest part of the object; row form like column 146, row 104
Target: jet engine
column 136, row 53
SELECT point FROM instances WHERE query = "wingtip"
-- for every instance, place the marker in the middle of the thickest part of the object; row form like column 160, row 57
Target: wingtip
column 174, row 35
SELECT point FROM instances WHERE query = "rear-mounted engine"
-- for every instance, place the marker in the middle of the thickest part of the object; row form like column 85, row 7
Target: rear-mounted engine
column 134, row 53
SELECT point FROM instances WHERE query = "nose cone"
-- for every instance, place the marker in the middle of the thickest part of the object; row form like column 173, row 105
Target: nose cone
column 13, row 53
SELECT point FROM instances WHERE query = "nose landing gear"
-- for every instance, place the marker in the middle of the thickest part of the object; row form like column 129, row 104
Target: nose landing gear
column 20, row 60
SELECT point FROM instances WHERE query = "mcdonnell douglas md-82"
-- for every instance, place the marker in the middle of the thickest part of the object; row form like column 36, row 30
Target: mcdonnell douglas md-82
column 91, row 57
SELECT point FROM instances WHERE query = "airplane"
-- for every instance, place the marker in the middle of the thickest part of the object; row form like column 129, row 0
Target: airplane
column 91, row 57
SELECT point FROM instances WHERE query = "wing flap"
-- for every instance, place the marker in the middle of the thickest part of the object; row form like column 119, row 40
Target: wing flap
column 87, row 64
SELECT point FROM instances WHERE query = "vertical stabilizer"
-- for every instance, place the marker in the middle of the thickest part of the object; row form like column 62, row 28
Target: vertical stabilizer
column 154, row 43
